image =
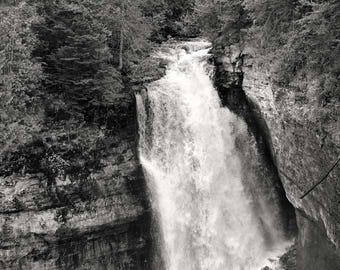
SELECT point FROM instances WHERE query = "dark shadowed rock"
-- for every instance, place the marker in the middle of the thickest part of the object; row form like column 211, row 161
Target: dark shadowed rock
column 302, row 139
column 89, row 216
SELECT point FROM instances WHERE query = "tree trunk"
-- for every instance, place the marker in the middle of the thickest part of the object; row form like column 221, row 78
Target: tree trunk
column 121, row 47
column 121, row 42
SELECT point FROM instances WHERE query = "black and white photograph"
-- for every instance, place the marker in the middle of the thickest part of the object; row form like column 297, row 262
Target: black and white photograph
column 169, row 135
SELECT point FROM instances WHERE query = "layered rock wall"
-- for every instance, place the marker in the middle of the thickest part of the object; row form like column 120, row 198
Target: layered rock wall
column 99, row 222
column 304, row 142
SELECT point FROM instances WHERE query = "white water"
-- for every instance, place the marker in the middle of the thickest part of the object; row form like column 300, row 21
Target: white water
column 194, row 174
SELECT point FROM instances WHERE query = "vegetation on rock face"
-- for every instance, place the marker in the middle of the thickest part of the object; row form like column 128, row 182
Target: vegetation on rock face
column 66, row 65
column 299, row 36
column 305, row 35
column 66, row 68
column 297, row 42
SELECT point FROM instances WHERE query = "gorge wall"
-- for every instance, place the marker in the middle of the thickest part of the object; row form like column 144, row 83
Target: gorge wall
column 79, row 221
column 302, row 142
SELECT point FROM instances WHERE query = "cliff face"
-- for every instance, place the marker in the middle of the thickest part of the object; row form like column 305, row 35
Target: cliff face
column 303, row 137
column 98, row 221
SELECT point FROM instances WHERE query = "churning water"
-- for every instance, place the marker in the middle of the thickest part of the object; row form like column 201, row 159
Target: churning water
column 187, row 148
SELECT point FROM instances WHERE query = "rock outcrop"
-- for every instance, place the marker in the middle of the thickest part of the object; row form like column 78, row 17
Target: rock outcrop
column 98, row 221
column 304, row 140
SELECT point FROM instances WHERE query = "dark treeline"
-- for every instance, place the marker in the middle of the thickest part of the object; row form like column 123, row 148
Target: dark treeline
column 63, row 63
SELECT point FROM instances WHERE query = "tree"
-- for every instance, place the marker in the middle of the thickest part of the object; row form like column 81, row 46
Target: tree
column 227, row 16
column 20, row 116
column 76, row 56
column 154, row 11
column 130, row 31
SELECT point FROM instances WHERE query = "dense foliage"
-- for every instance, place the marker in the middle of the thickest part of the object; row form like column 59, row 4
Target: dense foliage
column 301, row 37
column 65, row 70
column 66, row 64
column 20, row 76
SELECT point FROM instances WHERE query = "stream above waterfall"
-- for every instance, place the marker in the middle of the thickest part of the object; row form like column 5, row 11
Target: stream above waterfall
column 209, row 212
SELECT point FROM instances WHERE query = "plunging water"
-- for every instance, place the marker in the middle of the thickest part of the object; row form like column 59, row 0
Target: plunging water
column 206, row 217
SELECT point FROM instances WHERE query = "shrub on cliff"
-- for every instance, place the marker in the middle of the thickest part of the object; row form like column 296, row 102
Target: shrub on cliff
column 298, row 36
column 314, row 43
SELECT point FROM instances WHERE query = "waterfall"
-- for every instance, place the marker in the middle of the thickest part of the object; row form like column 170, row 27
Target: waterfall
column 205, row 215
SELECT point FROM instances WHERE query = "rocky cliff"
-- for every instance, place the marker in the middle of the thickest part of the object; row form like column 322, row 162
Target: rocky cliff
column 301, row 135
column 96, row 218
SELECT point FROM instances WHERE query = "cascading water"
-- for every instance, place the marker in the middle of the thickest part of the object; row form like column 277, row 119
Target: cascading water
column 187, row 149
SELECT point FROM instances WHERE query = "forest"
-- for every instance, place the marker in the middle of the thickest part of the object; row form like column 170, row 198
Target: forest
column 63, row 62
